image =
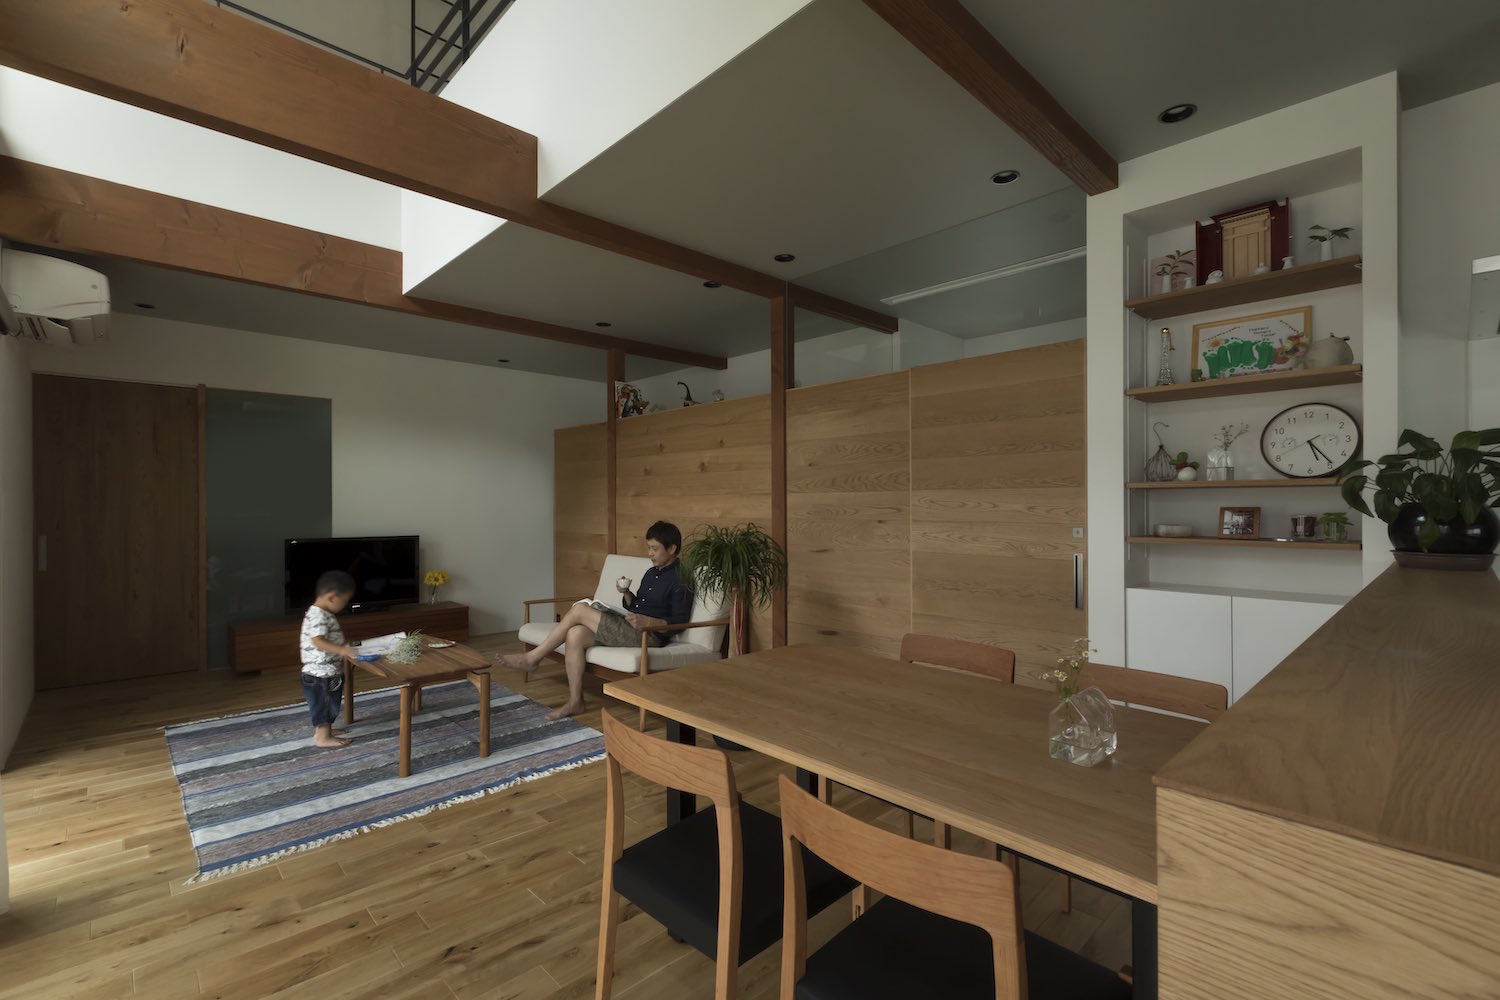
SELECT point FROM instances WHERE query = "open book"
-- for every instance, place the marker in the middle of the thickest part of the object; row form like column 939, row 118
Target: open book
column 374, row 649
column 613, row 609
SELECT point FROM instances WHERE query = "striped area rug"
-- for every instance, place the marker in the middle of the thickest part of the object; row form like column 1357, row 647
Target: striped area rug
column 255, row 788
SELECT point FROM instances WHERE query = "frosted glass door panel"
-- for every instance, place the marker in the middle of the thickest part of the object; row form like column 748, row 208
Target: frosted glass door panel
column 269, row 473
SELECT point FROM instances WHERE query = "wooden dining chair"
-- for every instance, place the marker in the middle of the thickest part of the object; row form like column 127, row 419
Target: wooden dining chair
column 1183, row 695
column 954, row 654
column 714, row 879
column 949, row 925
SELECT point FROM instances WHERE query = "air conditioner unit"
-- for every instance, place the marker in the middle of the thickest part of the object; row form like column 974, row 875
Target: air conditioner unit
column 51, row 301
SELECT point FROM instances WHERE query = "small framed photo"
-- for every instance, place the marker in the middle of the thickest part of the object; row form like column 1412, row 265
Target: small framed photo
column 1239, row 522
column 1252, row 345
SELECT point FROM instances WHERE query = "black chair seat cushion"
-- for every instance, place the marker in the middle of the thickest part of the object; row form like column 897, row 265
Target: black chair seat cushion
column 899, row 951
column 674, row 876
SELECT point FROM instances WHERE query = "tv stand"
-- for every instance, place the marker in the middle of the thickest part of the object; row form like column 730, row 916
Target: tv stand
column 272, row 643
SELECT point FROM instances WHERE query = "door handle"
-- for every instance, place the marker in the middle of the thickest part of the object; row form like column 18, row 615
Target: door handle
column 1078, row 581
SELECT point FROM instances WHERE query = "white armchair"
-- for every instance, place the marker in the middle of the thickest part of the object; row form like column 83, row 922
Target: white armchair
column 697, row 641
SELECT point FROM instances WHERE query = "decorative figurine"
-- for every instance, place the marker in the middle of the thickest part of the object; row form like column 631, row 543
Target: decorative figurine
column 1214, row 277
column 687, row 395
column 1164, row 373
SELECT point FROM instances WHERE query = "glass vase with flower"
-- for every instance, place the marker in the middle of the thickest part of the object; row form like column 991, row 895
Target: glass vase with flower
column 1081, row 728
column 435, row 579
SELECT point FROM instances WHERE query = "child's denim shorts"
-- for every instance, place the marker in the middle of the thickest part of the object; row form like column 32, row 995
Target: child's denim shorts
column 323, row 696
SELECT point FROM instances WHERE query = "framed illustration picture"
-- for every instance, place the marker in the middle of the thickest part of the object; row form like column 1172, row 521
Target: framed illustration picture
column 1252, row 345
column 1239, row 522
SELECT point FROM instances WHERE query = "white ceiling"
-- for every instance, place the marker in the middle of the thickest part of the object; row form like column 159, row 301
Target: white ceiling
column 835, row 140
column 1115, row 66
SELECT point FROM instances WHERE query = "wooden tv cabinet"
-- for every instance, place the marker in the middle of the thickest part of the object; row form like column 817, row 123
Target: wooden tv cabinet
column 272, row 643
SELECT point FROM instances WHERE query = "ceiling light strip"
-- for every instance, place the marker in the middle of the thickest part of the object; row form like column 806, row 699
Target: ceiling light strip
column 979, row 279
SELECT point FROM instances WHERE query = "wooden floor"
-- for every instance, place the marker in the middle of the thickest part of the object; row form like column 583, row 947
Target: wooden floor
column 496, row 898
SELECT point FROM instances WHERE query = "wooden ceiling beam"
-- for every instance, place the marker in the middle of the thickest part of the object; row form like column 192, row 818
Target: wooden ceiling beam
column 954, row 39
column 48, row 207
column 223, row 71
column 218, row 69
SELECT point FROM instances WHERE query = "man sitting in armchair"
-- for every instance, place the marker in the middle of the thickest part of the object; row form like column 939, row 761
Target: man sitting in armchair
column 662, row 599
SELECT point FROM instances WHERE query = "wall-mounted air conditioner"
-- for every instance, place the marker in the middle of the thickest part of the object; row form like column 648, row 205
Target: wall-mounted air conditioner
column 1484, row 299
column 51, row 301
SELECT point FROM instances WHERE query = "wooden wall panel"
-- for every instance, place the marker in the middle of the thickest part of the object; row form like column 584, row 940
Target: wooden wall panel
column 848, row 513
column 696, row 465
column 1255, row 906
column 999, row 465
column 579, row 510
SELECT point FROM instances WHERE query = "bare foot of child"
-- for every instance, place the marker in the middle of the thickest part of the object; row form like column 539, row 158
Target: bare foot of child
column 323, row 736
column 516, row 661
column 571, row 708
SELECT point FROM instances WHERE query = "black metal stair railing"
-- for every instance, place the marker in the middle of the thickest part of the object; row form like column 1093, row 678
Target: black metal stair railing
column 444, row 47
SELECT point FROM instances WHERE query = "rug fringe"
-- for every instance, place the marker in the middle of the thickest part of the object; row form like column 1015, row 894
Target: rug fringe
column 260, row 862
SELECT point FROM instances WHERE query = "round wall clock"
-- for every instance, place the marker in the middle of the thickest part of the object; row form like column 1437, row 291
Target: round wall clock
column 1310, row 440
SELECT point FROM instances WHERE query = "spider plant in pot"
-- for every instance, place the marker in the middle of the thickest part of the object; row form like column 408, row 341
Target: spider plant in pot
column 741, row 565
column 1437, row 502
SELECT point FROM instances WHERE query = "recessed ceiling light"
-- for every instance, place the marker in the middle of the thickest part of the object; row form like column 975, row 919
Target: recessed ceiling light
column 1177, row 113
column 784, row 258
column 603, row 323
column 502, row 361
column 144, row 305
column 1005, row 177
column 713, row 284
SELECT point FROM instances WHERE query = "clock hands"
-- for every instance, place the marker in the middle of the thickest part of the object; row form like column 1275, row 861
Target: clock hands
column 1315, row 449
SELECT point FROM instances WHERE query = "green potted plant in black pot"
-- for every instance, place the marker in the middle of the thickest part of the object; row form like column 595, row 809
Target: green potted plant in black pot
column 1436, row 502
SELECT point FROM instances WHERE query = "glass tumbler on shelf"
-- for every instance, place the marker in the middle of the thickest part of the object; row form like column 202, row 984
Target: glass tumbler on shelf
column 1081, row 729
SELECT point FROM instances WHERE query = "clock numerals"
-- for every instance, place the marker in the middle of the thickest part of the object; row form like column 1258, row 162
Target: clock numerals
column 1310, row 440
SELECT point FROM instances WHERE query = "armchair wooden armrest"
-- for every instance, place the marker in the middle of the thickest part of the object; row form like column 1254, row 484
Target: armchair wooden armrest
column 547, row 600
column 646, row 645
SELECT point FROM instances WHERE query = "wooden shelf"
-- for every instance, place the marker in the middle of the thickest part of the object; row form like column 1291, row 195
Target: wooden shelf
column 1299, row 378
column 1247, row 543
column 1297, row 280
column 1233, row 484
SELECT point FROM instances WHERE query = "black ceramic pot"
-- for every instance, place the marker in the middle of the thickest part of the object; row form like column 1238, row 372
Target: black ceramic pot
column 1454, row 537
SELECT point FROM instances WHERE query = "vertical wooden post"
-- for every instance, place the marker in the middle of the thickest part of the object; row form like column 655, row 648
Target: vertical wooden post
column 783, row 353
column 614, row 373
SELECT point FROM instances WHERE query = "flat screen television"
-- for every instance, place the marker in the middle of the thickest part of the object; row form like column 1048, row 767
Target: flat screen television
column 384, row 569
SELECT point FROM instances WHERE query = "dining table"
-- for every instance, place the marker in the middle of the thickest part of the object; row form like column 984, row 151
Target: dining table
column 965, row 750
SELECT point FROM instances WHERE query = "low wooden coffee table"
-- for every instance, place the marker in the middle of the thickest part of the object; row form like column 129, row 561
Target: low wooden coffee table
column 452, row 663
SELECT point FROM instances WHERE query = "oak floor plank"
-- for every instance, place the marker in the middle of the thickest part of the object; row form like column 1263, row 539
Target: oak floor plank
column 489, row 899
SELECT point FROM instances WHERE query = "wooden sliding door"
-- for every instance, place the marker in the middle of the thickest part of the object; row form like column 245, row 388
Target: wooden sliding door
column 117, row 523
column 998, row 477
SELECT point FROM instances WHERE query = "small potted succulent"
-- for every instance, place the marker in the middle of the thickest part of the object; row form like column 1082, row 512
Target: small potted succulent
column 1186, row 471
column 1324, row 238
column 1334, row 526
column 1437, row 502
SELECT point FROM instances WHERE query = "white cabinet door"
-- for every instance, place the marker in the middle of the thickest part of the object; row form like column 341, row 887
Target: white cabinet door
column 1266, row 632
column 1187, row 635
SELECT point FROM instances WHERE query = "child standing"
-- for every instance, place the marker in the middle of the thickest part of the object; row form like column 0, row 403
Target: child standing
column 323, row 650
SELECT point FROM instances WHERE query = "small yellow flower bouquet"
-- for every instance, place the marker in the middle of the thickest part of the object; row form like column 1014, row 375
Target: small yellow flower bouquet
column 435, row 579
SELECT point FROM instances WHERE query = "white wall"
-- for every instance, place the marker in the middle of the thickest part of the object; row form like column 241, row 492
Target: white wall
column 48, row 123
column 1033, row 336
column 1450, row 214
column 1360, row 121
column 15, row 540
column 580, row 75
column 459, row 454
